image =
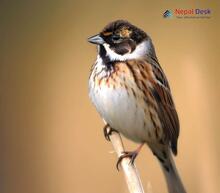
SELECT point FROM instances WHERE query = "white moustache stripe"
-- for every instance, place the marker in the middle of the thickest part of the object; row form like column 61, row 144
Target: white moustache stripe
column 140, row 51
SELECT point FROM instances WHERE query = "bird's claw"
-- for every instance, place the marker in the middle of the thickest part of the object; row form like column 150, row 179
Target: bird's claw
column 130, row 154
column 108, row 131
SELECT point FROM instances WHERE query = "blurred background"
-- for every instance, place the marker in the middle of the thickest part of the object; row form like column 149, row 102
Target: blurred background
column 51, row 138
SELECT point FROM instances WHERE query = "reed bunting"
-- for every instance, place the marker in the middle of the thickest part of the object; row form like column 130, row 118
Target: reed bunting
column 131, row 93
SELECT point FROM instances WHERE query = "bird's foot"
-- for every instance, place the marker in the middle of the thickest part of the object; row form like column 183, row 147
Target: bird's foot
column 108, row 131
column 130, row 154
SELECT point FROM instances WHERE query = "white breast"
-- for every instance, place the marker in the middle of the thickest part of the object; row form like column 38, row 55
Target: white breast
column 120, row 109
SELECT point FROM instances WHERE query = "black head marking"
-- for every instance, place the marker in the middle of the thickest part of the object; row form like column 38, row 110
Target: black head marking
column 124, row 30
column 122, row 36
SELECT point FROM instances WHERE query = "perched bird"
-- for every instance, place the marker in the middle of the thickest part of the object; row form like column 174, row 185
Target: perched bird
column 131, row 93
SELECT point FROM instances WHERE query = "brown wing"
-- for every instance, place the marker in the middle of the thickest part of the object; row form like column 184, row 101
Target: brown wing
column 166, row 108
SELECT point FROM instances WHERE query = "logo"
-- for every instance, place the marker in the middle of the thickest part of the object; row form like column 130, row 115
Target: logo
column 187, row 13
column 167, row 14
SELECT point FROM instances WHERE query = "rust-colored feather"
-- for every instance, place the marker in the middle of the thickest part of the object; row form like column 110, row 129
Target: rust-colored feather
column 151, row 80
column 166, row 108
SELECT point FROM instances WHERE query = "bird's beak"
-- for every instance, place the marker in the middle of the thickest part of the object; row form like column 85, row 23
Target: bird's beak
column 96, row 39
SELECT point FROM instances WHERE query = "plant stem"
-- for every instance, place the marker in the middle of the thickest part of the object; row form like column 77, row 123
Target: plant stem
column 130, row 171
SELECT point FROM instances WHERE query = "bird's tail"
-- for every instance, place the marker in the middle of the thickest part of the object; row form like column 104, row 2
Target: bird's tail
column 173, row 180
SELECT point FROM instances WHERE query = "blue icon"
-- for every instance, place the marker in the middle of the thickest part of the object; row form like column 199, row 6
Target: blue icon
column 167, row 14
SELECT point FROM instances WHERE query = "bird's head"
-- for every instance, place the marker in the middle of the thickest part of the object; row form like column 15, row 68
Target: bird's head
column 120, row 40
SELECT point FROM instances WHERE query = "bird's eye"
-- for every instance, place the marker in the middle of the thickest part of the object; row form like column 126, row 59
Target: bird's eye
column 116, row 38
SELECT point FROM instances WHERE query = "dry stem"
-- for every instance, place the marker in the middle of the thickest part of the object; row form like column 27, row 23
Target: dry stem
column 130, row 171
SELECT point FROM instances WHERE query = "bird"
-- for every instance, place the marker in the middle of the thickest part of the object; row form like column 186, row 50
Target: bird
column 130, row 91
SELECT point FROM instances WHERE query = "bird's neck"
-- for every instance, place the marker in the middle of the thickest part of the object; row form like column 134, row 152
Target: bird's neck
column 109, row 55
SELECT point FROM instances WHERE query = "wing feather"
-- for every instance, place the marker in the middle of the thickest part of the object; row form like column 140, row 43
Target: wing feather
column 166, row 108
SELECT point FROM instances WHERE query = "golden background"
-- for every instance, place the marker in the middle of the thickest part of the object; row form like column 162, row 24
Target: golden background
column 51, row 135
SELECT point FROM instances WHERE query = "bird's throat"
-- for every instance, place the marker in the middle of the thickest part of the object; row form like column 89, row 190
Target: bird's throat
column 105, row 58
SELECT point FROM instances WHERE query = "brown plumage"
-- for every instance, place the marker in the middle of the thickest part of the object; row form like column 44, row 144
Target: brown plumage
column 131, row 93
